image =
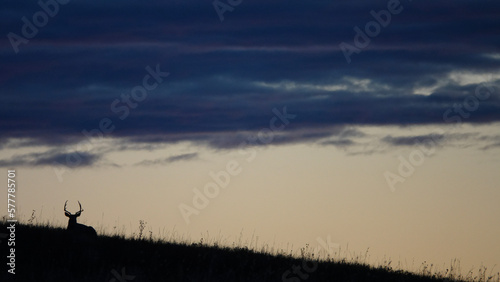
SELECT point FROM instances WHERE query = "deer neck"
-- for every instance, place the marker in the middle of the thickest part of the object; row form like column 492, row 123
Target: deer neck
column 72, row 223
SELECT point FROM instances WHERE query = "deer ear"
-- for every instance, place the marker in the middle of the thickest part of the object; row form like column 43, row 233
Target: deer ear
column 67, row 214
column 78, row 214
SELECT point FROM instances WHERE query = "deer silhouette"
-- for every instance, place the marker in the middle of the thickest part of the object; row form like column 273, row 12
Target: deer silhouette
column 79, row 232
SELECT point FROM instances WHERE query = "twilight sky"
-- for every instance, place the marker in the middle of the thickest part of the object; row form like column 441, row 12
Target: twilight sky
column 375, row 123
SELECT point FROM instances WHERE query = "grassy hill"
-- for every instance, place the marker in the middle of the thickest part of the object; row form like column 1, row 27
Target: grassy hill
column 44, row 253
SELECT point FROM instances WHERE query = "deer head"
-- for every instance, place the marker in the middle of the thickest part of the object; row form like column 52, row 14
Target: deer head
column 72, row 217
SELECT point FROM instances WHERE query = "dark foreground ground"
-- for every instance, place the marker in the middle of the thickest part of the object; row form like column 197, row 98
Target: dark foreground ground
column 48, row 254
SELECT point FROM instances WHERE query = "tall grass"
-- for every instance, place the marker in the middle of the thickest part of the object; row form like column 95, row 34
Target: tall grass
column 46, row 253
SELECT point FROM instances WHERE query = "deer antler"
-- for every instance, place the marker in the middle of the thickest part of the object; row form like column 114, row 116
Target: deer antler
column 80, row 207
column 68, row 212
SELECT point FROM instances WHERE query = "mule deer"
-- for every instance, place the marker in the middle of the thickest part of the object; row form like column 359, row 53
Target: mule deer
column 79, row 232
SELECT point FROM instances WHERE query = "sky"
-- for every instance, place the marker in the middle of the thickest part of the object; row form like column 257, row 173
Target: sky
column 365, row 124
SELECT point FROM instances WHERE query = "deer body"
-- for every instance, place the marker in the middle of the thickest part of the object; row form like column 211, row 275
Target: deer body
column 80, row 228
column 79, row 232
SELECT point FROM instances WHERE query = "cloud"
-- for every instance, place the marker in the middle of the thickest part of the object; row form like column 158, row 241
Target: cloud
column 227, row 77
column 183, row 157
column 52, row 158
column 448, row 139
column 339, row 143
column 492, row 142
column 414, row 140
column 168, row 160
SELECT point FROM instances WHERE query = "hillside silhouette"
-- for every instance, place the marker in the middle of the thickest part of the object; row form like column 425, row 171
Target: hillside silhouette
column 45, row 253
